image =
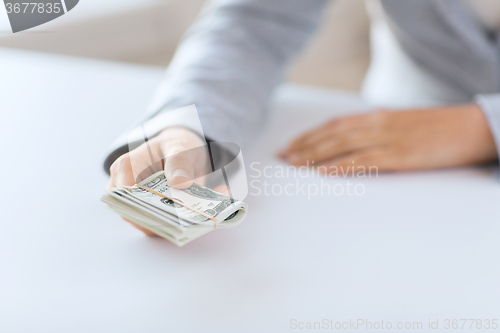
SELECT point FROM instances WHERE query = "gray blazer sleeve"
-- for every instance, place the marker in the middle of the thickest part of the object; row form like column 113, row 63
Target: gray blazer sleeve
column 230, row 61
column 490, row 104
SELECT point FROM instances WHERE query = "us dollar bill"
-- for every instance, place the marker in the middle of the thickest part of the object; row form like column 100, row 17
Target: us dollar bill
column 175, row 213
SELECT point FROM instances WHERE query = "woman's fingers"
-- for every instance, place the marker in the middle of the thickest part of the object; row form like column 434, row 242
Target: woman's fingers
column 337, row 127
column 178, row 151
column 336, row 138
column 121, row 172
column 179, row 170
column 134, row 166
column 310, row 137
column 331, row 147
column 185, row 156
column 181, row 153
column 371, row 159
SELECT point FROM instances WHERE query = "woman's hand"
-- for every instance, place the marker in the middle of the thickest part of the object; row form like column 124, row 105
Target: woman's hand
column 399, row 140
column 173, row 151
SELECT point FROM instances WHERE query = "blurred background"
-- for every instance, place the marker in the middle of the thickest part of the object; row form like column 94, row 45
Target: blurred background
column 147, row 32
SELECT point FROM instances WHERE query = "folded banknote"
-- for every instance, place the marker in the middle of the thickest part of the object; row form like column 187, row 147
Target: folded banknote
column 177, row 215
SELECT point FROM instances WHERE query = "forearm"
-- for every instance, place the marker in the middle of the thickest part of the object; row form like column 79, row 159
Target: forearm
column 228, row 64
column 232, row 58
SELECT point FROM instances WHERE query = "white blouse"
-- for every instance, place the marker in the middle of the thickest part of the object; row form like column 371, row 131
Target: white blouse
column 394, row 79
column 487, row 12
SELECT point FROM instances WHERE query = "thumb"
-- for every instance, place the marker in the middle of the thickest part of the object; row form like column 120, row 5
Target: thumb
column 179, row 169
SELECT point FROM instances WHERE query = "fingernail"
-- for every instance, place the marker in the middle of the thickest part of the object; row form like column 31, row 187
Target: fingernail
column 180, row 173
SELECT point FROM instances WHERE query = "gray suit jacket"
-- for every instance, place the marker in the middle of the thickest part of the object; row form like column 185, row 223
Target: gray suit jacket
column 237, row 52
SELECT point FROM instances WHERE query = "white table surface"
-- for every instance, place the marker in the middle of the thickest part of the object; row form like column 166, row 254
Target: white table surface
column 414, row 247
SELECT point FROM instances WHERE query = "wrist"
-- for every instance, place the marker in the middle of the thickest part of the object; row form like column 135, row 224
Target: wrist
column 479, row 132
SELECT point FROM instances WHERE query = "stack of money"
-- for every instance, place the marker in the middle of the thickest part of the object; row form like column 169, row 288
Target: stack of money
column 177, row 215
